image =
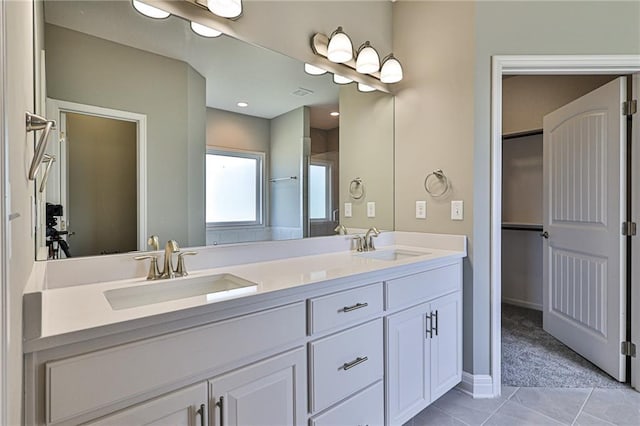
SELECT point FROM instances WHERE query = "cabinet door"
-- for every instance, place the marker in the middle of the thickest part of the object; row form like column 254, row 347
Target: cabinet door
column 268, row 393
column 185, row 407
column 407, row 364
column 446, row 343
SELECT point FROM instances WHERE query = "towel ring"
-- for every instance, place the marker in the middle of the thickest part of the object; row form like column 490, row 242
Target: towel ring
column 356, row 188
column 439, row 175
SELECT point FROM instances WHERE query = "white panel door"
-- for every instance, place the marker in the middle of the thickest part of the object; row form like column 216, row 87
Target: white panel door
column 635, row 245
column 407, row 364
column 584, row 257
column 268, row 393
column 446, row 344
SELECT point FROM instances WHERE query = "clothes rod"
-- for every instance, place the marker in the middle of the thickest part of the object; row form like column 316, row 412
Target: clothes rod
column 284, row 178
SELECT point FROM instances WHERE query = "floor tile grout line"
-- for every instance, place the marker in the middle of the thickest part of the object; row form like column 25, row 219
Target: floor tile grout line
column 500, row 406
column 452, row 416
column 543, row 414
column 582, row 407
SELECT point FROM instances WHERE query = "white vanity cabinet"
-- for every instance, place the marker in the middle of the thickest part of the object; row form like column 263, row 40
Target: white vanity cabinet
column 184, row 407
column 270, row 392
column 424, row 344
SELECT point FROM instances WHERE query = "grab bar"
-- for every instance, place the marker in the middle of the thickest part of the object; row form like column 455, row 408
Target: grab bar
column 283, row 178
column 49, row 159
column 34, row 123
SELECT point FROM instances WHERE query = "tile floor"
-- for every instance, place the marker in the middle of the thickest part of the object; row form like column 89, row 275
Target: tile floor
column 535, row 406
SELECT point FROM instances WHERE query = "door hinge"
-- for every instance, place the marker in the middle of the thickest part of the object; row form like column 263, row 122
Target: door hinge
column 628, row 349
column 629, row 107
column 628, row 229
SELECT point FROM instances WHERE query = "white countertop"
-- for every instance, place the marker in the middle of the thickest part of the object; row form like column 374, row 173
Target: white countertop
column 77, row 308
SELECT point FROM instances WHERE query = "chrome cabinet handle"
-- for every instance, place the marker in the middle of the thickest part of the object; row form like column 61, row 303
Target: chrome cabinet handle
column 429, row 327
column 354, row 307
column 545, row 234
column 201, row 413
column 359, row 360
column 436, row 317
column 220, row 405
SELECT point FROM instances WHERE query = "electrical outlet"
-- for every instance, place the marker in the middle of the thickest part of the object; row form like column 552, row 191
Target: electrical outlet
column 347, row 210
column 421, row 209
column 371, row 209
column 457, row 210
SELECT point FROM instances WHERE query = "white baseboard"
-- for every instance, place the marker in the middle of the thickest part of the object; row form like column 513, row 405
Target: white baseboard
column 478, row 386
column 522, row 303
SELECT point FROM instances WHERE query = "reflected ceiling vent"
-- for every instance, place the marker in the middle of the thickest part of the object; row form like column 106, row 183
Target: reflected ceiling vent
column 301, row 91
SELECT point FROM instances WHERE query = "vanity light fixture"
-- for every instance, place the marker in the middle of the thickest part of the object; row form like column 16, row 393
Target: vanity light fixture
column 391, row 71
column 225, row 8
column 242, row 104
column 150, row 11
column 338, row 79
column 365, row 88
column 313, row 70
column 367, row 61
column 340, row 49
column 334, row 114
column 204, row 30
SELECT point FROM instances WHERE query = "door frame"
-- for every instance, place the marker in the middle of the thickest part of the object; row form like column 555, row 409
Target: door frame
column 4, row 222
column 530, row 65
column 55, row 109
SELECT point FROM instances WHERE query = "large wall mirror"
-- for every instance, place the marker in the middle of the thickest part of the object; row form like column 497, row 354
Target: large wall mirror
column 161, row 131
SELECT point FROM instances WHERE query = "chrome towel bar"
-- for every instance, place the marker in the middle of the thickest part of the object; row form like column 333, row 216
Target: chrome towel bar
column 34, row 123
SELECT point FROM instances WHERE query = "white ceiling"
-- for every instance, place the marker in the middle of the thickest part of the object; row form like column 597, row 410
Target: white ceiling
column 234, row 70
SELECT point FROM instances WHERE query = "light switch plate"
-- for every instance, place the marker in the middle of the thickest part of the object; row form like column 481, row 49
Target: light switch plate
column 421, row 209
column 371, row 209
column 347, row 210
column 457, row 210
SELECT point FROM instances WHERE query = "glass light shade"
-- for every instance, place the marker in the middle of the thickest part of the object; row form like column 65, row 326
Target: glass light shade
column 313, row 70
column 338, row 79
column 225, row 8
column 365, row 88
column 340, row 49
column 204, row 31
column 150, row 11
column 368, row 60
column 391, row 71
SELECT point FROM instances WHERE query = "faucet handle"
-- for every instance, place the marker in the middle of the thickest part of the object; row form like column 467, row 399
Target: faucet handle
column 154, row 242
column 154, row 272
column 181, row 270
column 359, row 239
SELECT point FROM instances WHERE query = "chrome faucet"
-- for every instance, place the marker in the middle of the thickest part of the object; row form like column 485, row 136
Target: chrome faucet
column 340, row 230
column 368, row 238
column 170, row 248
column 154, row 243
column 359, row 241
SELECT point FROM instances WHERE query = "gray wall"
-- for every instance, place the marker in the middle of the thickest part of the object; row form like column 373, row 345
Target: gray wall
column 238, row 131
column 290, row 147
column 93, row 71
column 366, row 151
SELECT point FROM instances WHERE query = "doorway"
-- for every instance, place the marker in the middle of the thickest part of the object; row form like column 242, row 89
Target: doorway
column 99, row 180
column 532, row 65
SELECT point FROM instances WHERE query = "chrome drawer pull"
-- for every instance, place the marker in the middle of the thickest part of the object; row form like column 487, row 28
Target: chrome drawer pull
column 359, row 360
column 354, row 307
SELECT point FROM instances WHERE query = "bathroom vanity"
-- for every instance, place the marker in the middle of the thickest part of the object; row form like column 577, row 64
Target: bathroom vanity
column 321, row 335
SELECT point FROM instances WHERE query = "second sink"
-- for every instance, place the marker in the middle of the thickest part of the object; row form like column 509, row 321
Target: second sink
column 394, row 254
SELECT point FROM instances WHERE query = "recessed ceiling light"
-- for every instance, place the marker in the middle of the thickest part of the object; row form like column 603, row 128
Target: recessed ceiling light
column 150, row 11
column 242, row 104
column 334, row 113
column 313, row 70
column 204, row 31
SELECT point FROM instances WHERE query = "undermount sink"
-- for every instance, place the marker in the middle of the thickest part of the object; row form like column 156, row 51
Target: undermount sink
column 215, row 287
column 394, row 254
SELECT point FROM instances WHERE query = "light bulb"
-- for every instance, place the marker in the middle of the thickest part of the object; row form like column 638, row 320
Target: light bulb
column 313, row 70
column 365, row 88
column 204, row 31
column 368, row 60
column 225, row 8
column 150, row 11
column 338, row 79
column 340, row 49
column 391, row 71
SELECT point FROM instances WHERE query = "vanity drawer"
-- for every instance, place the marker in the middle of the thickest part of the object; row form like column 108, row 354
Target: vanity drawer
column 345, row 362
column 414, row 289
column 89, row 382
column 344, row 308
column 365, row 408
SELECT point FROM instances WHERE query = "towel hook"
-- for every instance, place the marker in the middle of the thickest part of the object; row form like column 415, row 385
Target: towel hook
column 34, row 123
